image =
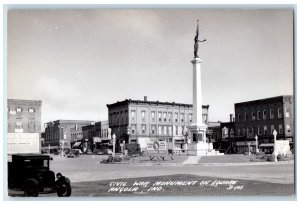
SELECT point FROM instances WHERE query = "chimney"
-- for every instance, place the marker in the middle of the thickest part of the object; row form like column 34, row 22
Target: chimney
column 231, row 117
column 145, row 98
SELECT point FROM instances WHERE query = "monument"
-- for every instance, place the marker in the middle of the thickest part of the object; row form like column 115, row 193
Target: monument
column 197, row 130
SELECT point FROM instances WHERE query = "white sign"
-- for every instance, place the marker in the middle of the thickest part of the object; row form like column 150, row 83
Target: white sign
column 23, row 143
column 96, row 139
column 157, row 147
column 245, row 143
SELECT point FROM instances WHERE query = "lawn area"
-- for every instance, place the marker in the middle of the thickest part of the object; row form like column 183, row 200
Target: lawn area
column 237, row 158
column 168, row 159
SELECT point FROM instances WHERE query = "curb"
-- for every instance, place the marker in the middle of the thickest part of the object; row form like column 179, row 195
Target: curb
column 213, row 164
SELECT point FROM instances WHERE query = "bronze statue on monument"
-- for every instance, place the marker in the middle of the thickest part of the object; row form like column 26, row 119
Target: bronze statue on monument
column 196, row 45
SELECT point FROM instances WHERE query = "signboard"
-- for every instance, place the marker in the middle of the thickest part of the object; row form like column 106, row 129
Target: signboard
column 19, row 143
column 245, row 143
column 96, row 139
column 282, row 146
column 157, row 147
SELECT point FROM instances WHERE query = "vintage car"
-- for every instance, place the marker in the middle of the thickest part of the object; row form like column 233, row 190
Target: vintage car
column 31, row 173
column 74, row 153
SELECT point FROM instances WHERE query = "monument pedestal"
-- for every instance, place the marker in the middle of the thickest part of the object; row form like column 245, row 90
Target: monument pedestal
column 198, row 144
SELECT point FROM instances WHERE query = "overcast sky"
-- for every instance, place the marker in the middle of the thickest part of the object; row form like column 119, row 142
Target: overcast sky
column 77, row 61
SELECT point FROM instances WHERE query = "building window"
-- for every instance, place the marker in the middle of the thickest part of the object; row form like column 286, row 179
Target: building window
column 182, row 117
column 159, row 116
column 170, row 130
column 159, row 129
column 165, row 130
column 288, row 128
column 239, row 117
column 153, row 129
column 244, row 132
column 126, row 117
column 19, row 125
column 204, row 118
column 31, row 110
column 170, row 116
column 280, row 130
column 248, row 131
column 133, row 129
column 272, row 129
column 264, row 114
column 287, row 112
column 279, row 113
column 176, row 130
column 143, row 116
column 19, row 109
column 191, row 117
column 165, row 116
column 153, row 116
column 246, row 117
column 253, row 130
column 239, row 132
column 259, row 130
column 176, row 117
column 133, row 114
column 253, row 115
column 265, row 130
column 258, row 115
column 271, row 114
column 182, row 130
column 143, row 129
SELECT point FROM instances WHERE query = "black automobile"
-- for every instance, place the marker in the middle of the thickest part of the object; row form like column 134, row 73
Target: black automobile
column 31, row 173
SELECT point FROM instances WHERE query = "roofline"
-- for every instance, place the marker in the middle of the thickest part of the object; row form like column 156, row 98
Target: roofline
column 264, row 99
column 129, row 101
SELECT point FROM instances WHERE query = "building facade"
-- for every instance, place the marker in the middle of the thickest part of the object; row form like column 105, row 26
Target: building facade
column 260, row 118
column 135, row 121
column 24, row 116
column 88, row 137
column 23, row 126
column 60, row 130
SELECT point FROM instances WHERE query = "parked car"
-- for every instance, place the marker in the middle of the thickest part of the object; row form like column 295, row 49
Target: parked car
column 31, row 173
column 74, row 153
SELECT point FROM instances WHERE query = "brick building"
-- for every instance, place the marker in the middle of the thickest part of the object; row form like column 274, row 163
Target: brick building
column 137, row 121
column 23, row 126
column 261, row 117
column 86, row 137
column 60, row 130
column 24, row 116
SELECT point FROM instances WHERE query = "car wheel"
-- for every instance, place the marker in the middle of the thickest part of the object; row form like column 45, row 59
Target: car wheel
column 31, row 190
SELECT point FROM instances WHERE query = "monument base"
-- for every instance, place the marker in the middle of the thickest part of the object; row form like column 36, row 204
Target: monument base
column 198, row 144
column 203, row 149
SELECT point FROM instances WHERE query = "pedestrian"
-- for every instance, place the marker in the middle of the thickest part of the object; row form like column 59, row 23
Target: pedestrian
column 63, row 185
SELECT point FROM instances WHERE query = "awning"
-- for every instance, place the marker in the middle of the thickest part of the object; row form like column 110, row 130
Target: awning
column 267, row 145
column 179, row 141
column 76, row 145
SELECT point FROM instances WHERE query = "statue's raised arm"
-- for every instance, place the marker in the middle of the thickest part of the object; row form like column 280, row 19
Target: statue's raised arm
column 196, row 45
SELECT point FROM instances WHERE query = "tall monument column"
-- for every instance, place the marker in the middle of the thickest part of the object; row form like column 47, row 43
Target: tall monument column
column 197, row 128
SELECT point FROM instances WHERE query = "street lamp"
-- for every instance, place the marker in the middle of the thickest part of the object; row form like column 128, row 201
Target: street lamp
column 275, row 150
column 114, row 144
column 63, row 137
column 256, row 144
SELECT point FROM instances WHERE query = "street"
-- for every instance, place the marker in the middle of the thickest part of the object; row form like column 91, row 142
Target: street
column 89, row 177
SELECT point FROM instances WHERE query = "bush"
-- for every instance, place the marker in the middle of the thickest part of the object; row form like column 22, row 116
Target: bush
column 270, row 158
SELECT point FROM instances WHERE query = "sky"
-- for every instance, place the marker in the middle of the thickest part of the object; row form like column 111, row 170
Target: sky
column 77, row 61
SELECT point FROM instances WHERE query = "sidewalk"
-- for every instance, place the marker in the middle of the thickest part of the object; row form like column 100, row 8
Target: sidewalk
column 192, row 160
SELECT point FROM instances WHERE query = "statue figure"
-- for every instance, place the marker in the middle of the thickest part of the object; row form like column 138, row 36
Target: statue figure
column 197, row 41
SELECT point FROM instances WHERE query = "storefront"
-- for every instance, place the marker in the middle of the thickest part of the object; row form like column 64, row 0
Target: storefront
column 246, row 146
